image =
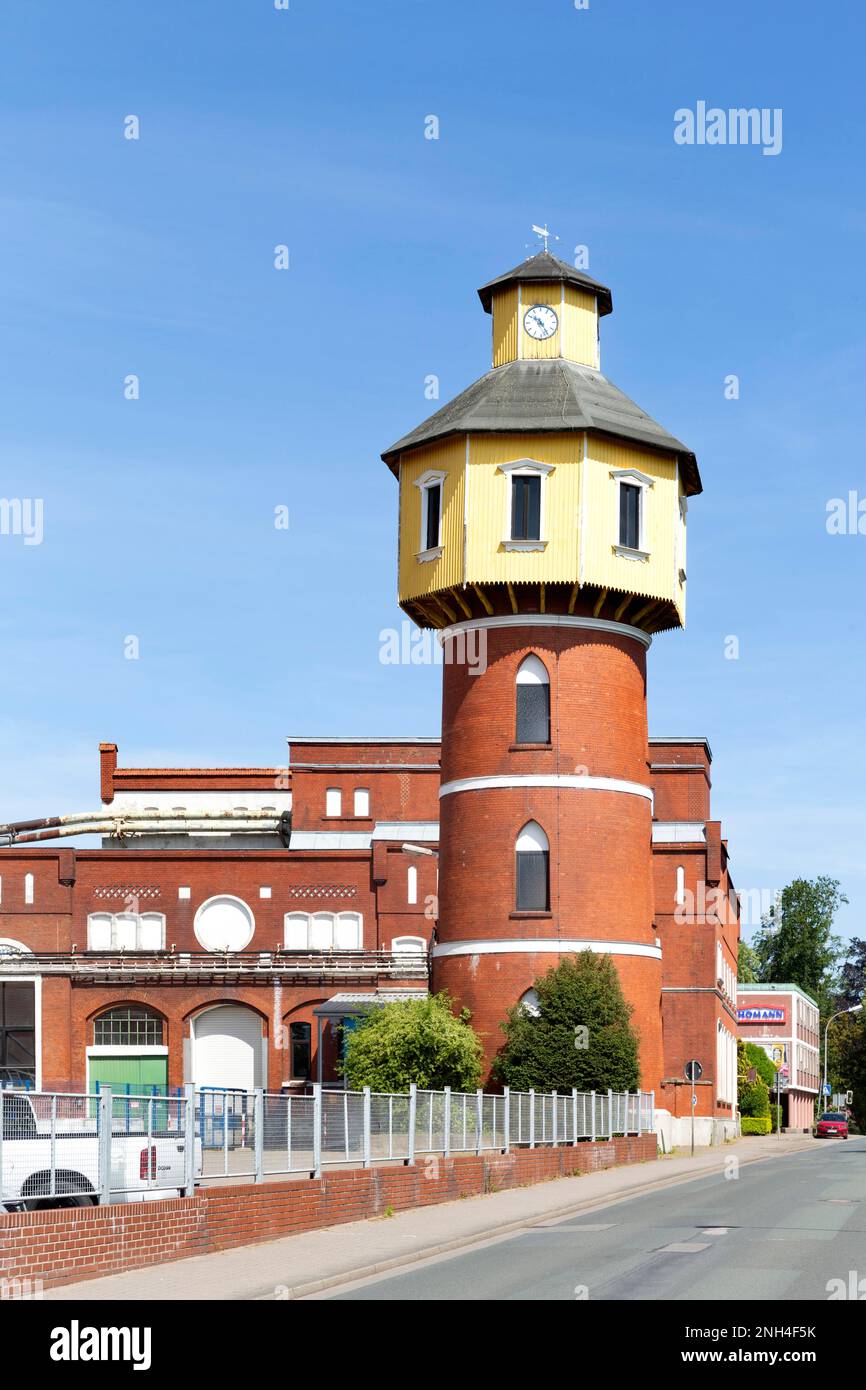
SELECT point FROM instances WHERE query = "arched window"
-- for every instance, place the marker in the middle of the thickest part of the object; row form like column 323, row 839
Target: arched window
column 528, row 1002
column 409, row 945
column 126, row 931
column 412, row 884
column 532, row 853
column 129, row 1026
column 323, row 931
column 28, row 888
column 533, row 702
column 681, row 885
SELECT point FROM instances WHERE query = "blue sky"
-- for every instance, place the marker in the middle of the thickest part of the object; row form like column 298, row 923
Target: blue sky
column 261, row 388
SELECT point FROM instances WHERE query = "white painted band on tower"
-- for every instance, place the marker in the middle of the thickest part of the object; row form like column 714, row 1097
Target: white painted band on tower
column 549, row 620
column 499, row 781
column 545, row 944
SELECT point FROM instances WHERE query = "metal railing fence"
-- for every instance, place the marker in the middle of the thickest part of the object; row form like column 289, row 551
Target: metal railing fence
column 108, row 1147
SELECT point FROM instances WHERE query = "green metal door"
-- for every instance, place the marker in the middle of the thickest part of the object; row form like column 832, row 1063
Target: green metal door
column 139, row 1074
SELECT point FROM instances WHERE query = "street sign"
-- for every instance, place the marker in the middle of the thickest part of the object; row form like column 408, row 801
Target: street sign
column 827, row 1088
column 694, row 1099
column 786, row 1070
column 694, row 1071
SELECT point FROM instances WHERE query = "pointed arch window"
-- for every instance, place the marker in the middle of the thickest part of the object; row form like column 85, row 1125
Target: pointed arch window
column 533, row 702
column 532, row 870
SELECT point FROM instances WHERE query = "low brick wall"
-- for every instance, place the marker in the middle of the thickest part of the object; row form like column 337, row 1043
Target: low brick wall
column 61, row 1247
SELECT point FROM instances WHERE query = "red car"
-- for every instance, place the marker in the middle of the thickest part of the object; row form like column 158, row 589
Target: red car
column 832, row 1125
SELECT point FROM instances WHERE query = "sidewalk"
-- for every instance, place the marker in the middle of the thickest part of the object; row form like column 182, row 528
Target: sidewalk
column 308, row 1263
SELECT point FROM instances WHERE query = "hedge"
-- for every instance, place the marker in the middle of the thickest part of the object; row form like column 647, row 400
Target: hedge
column 756, row 1124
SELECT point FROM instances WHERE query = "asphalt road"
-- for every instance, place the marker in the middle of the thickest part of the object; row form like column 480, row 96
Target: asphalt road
column 780, row 1229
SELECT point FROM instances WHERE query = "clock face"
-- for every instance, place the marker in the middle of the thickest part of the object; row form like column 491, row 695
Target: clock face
column 540, row 322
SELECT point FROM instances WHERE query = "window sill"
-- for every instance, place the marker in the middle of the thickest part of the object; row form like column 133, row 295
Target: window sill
column 627, row 552
column 530, row 916
column 529, row 747
column 423, row 556
column 524, row 545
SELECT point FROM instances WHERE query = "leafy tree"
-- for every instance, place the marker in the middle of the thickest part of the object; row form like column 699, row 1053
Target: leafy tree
column 413, row 1040
column 847, row 1061
column 852, row 977
column 756, row 1057
column 747, row 964
column 753, row 1097
column 795, row 943
column 580, row 1037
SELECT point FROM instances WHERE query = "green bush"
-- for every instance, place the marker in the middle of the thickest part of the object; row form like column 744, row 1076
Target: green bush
column 413, row 1040
column 754, row 1099
column 756, row 1124
column 580, row 1037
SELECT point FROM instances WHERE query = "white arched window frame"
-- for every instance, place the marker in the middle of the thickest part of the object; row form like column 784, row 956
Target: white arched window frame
column 680, row 895
column 642, row 483
column 532, row 869
column 533, row 701
column 126, row 931
column 411, row 885
column 224, row 923
column 361, row 801
column 28, row 888
column 409, row 945
column 323, row 931
column 431, row 485
column 525, row 468
column 529, row 1003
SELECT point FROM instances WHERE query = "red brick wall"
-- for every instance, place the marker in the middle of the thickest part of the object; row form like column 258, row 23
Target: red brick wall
column 61, row 1247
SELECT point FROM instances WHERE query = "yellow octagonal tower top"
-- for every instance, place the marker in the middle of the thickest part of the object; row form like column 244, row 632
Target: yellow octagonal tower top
column 543, row 488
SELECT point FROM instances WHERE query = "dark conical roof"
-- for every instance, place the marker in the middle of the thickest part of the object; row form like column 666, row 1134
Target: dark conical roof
column 544, row 266
column 555, row 395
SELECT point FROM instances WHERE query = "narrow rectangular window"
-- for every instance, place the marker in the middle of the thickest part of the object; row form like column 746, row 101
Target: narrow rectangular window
column 362, row 801
column 333, row 802
column 532, row 881
column 629, row 516
column 28, row 888
column 433, row 495
column 300, row 1037
column 533, row 713
column 525, row 508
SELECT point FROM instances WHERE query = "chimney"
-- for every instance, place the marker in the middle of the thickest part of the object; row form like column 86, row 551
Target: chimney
column 107, row 766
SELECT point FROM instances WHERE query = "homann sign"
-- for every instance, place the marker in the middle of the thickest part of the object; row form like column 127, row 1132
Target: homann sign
column 760, row 1015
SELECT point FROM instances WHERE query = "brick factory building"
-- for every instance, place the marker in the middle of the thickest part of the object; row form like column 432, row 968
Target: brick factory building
column 783, row 1020
column 236, row 920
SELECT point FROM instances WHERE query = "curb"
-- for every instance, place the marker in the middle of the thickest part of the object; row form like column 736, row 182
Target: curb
column 503, row 1229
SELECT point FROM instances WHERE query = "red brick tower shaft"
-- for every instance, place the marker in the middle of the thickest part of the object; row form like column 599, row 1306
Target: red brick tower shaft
column 588, row 790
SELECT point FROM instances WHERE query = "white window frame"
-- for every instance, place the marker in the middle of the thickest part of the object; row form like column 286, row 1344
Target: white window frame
column 365, row 793
column 635, row 478
column 115, row 919
column 411, row 885
column 336, row 918
column 432, row 478
column 409, row 945
column 246, row 911
column 29, row 886
column 332, row 793
column 528, row 468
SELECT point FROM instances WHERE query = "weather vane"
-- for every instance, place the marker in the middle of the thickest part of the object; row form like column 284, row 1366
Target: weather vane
column 545, row 234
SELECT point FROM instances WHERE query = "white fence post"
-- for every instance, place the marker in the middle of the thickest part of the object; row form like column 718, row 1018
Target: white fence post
column 104, row 1157
column 574, row 1114
column 189, row 1141
column 652, row 1123
column 258, row 1134
column 639, row 1100
column 531, row 1118
column 507, row 1119
column 609, row 1113
column 446, row 1128
column 479, row 1121
column 592, row 1113
column 413, row 1110
column 317, row 1130
column 368, row 1111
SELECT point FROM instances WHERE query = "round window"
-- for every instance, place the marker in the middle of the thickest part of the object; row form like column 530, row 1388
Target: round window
column 224, row 924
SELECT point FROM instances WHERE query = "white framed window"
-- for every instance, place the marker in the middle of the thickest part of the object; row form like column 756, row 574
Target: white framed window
column 532, row 869
column 681, row 885
column 333, row 802
column 528, row 1002
column 126, row 931
column 28, row 888
column 525, row 527
column 533, row 702
column 323, row 931
column 431, row 486
column 409, row 945
column 224, row 923
column 362, row 801
column 184, row 893
column 411, row 884
column 632, row 490
column 264, row 892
